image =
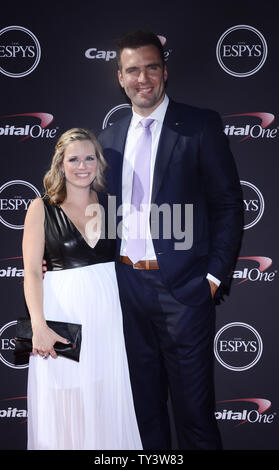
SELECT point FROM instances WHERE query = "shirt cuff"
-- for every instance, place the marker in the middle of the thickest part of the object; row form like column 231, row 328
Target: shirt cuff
column 213, row 279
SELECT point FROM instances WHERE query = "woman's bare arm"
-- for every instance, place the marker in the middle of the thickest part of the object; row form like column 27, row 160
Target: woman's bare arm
column 33, row 250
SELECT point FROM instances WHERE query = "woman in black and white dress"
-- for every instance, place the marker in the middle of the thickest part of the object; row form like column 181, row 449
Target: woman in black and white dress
column 86, row 404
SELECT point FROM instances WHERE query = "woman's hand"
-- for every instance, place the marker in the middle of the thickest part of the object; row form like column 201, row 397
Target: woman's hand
column 44, row 339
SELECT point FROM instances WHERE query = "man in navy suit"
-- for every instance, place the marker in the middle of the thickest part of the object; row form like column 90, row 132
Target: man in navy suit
column 167, row 295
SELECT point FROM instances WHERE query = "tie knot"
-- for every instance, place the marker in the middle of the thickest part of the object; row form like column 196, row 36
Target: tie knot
column 146, row 122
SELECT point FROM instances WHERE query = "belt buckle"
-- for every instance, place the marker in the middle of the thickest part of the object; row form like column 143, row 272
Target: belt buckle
column 135, row 267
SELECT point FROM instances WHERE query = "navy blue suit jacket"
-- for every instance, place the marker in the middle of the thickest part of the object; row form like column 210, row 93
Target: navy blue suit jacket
column 194, row 165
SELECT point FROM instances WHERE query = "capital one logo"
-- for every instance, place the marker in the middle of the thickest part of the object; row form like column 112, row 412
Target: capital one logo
column 11, row 268
column 94, row 53
column 20, row 51
column 15, row 198
column 254, row 269
column 7, row 347
column 241, row 51
column 245, row 410
column 11, row 408
column 254, row 126
column 238, row 346
column 26, row 125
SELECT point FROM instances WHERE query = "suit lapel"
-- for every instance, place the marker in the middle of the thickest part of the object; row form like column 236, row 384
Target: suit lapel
column 120, row 136
column 121, row 129
column 168, row 139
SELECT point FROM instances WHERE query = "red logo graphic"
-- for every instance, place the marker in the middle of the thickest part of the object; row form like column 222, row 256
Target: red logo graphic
column 12, row 268
column 262, row 403
column 263, row 264
column 265, row 120
column 12, row 411
column 162, row 39
column 45, row 120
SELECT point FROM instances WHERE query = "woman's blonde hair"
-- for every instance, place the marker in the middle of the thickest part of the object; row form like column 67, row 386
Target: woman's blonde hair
column 54, row 180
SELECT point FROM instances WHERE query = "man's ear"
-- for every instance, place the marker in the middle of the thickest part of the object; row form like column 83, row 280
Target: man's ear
column 165, row 73
column 120, row 78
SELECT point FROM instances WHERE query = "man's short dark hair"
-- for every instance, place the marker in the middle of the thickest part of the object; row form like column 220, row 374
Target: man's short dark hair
column 137, row 39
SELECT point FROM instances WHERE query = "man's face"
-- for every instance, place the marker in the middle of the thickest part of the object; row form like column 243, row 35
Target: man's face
column 143, row 78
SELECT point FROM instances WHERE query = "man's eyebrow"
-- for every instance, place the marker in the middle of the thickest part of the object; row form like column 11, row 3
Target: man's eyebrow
column 152, row 64
column 130, row 69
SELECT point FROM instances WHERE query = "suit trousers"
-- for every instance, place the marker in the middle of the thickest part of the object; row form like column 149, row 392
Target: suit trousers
column 170, row 349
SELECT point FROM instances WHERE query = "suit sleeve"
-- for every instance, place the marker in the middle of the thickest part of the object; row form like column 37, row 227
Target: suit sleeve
column 224, row 198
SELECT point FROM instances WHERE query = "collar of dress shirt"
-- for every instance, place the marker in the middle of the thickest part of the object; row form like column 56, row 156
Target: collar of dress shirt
column 158, row 114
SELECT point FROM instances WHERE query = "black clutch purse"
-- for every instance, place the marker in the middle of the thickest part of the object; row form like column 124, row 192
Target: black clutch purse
column 69, row 331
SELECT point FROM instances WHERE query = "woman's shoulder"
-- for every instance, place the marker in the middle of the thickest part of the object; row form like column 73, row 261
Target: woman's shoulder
column 36, row 205
column 41, row 206
column 35, row 212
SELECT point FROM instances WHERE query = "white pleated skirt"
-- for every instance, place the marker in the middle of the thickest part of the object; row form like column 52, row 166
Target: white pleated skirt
column 88, row 404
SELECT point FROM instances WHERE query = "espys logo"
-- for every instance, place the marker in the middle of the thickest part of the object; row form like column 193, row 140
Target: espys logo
column 116, row 113
column 242, row 410
column 254, row 269
column 15, row 198
column 238, row 346
column 12, row 272
column 20, row 51
column 10, row 408
column 251, row 126
column 22, row 125
column 241, row 51
column 7, row 347
column 107, row 55
column 253, row 204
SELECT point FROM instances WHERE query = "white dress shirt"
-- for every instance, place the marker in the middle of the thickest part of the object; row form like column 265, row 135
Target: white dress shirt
column 133, row 134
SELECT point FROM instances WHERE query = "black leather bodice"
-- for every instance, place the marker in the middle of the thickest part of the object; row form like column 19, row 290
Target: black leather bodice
column 66, row 248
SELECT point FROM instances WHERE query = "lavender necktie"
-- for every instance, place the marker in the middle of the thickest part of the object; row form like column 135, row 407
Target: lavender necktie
column 138, row 219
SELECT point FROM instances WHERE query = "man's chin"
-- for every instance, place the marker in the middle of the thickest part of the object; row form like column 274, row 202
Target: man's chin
column 145, row 104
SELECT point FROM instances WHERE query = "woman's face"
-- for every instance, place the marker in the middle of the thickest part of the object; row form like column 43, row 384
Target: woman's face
column 80, row 163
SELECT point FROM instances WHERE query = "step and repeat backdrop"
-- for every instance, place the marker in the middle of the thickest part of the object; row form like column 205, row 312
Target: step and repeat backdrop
column 57, row 71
